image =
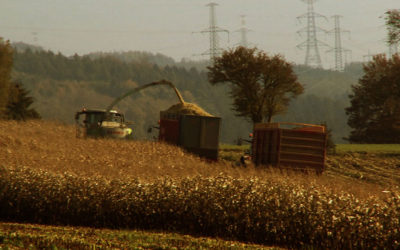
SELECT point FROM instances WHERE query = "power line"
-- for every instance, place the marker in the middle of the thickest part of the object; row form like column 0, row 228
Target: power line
column 214, row 50
column 338, row 50
column 313, row 57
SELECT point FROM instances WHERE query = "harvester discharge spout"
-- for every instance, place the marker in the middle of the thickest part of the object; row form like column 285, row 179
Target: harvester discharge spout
column 133, row 91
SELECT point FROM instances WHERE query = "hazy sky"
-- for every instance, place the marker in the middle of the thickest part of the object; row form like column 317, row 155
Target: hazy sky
column 167, row 26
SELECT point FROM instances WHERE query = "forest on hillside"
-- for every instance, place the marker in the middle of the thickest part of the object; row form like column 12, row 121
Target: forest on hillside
column 62, row 85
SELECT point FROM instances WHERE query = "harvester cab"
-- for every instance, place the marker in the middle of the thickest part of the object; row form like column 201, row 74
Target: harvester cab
column 98, row 123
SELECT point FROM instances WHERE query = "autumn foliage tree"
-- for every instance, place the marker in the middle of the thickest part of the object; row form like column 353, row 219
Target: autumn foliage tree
column 18, row 107
column 374, row 113
column 14, row 100
column 6, row 56
column 261, row 85
column 393, row 24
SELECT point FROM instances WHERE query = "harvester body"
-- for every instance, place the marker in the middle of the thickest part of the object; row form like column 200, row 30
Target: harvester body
column 98, row 123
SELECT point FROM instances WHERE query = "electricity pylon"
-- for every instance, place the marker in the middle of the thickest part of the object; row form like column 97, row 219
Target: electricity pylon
column 313, row 57
column 369, row 57
column 243, row 32
column 214, row 50
column 338, row 49
column 35, row 36
column 393, row 49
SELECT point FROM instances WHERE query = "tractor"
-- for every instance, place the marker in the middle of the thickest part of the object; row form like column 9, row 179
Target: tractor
column 98, row 123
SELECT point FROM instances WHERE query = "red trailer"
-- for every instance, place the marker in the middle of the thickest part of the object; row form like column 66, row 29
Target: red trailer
column 196, row 134
column 290, row 145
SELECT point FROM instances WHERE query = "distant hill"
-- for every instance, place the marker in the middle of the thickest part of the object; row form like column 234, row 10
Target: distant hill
column 136, row 57
column 61, row 85
column 151, row 58
column 328, row 83
column 21, row 47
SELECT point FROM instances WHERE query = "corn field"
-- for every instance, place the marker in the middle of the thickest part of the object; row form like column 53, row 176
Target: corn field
column 50, row 177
